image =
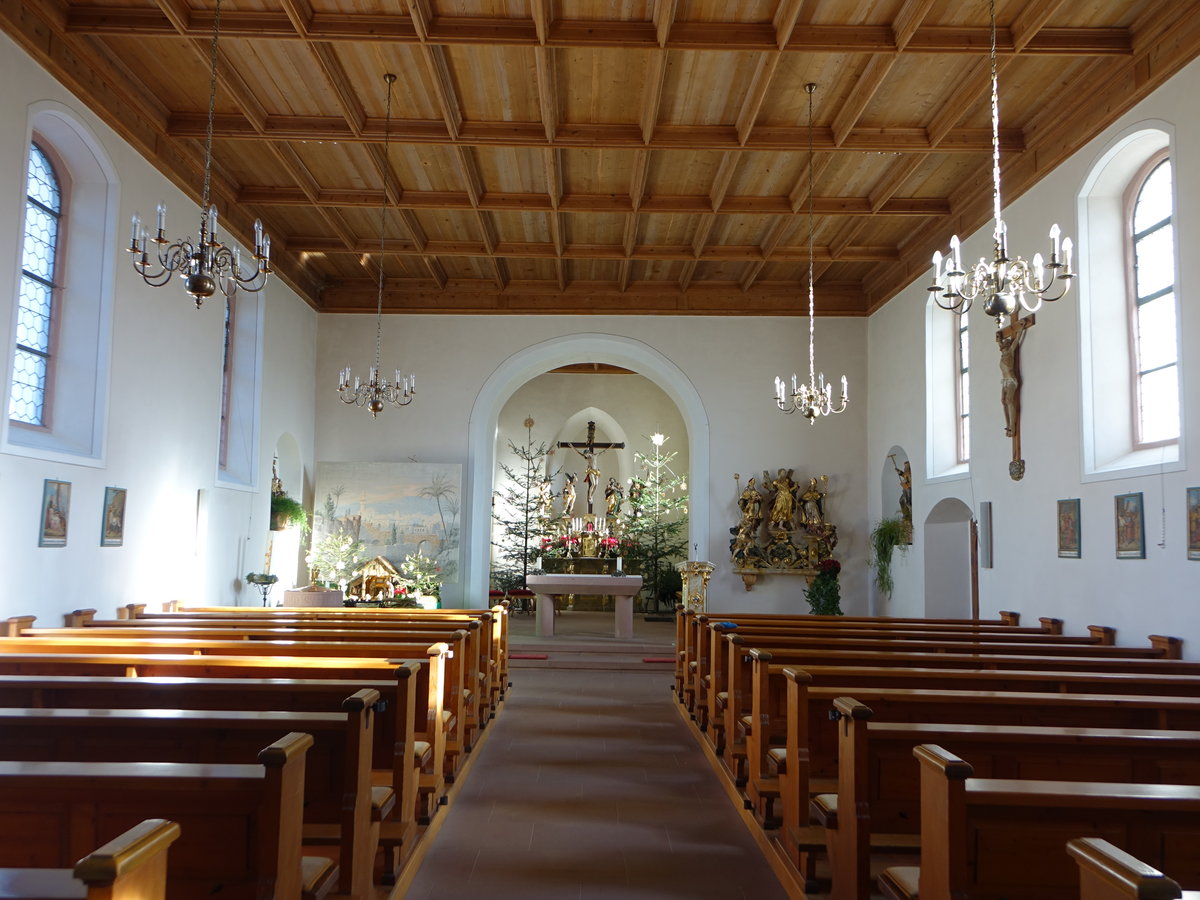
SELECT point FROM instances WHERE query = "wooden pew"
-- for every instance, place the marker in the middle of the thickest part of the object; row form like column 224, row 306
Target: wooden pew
column 340, row 805
column 241, row 824
column 493, row 622
column 877, row 788
column 478, row 669
column 1109, row 873
column 398, row 758
column 768, row 697
column 810, row 757
column 432, row 722
column 452, row 705
column 132, row 866
column 992, row 838
column 692, row 644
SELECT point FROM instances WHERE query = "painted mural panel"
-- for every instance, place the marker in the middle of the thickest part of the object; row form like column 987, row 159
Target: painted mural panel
column 395, row 509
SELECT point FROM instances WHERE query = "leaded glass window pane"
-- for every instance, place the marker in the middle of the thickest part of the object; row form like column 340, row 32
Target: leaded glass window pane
column 35, row 300
column 1160, row 405
column 1154, row 203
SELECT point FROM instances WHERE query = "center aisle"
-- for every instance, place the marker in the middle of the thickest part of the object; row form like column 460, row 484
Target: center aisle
column 590, row 786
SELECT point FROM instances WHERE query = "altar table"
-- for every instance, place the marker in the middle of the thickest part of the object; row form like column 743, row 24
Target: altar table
column 620, row 587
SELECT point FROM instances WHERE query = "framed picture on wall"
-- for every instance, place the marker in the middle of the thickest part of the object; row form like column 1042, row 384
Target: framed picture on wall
column 1193, row 523
column 1069, row 543
column 56, row 507
column 112, row 527
column 1130, row 523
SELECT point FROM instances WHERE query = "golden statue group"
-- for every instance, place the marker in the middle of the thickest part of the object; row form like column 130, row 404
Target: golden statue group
column 783, row 525
column 588, row 534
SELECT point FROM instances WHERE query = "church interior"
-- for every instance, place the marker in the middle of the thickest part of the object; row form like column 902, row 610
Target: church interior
column 614, row 232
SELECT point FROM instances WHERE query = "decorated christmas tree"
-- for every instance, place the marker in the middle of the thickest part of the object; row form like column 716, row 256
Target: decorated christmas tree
column 521, row 509
column 656, row 529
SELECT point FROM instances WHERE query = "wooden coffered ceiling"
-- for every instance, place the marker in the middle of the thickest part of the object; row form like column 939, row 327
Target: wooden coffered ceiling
column 592, row 156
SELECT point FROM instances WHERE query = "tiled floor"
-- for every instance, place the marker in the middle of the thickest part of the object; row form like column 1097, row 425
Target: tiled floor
column 590, row 786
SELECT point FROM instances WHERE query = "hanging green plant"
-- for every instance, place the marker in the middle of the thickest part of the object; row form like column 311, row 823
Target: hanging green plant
column 287, row 513
column 886, row 536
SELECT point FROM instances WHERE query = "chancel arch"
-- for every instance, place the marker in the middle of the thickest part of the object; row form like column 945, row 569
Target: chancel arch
column 528, row 364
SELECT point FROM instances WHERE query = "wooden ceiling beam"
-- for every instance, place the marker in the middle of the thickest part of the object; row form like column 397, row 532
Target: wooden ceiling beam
column 448, row 30
column 561, row 275
column 784, row 21
column 893, row 179
column 624, row 271
column 750, row 274
column 664, row 18
column 500, row 201
column 558, row 234
column 340, row 82
column 547, row 85
column 234, row 127
column 798, row 196
column 756, row 93
column 629, row 238
column 868, row 83
column 614, row 252
column 471, row 175
column 300, row 14
column 653, row 83
column 422, row 16
column 436, row 272
column 1031, row 20
column 704, row 227
column 466, row 296
column 908, row 20
column 687, row 272
column 722, row 179
column 639, row 172
column 552, row 164
column 542, row 13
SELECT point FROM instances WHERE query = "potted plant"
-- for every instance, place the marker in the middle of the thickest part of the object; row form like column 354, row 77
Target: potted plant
column 287, row 513
column 886, row 536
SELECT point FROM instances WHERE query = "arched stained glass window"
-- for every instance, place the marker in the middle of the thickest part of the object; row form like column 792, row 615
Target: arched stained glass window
column 29, row 400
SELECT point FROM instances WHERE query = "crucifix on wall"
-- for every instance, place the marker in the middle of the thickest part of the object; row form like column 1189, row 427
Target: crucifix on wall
column 588, row 449
column 1009, row 340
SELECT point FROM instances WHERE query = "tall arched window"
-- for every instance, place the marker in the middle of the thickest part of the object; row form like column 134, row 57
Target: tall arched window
column 962, row 375
column 37, row 303
column 1154, row 344
column 62, row 320
column 1131, row 368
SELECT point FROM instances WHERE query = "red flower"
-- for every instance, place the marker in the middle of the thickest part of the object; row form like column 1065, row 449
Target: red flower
column 829, row 566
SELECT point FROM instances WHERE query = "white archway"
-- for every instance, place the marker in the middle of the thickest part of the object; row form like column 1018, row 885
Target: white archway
column 948, row 560
column 538, row 359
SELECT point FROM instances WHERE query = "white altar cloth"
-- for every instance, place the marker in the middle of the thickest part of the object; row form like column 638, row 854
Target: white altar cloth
column 620, row 587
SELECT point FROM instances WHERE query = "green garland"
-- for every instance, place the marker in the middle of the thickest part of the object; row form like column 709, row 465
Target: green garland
column 824, row 595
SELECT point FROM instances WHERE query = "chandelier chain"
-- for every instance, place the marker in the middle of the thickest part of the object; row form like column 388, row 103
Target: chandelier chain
column 812, row 164
column 212, row 107
column 387, row 133
column 995, row 123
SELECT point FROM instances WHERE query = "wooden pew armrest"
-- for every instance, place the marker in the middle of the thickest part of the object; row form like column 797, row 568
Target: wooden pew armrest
column 383, row 801
column 824, row 810
column 900, row 882
column 318, row 877
column 777, row 761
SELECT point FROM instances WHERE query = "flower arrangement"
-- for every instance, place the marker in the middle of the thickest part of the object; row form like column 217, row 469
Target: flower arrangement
column 335, row 558
column 610, row 546
column 824, row 596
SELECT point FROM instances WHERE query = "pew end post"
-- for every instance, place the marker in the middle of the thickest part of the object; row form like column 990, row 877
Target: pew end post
column 1109, row 873
column 132, row 866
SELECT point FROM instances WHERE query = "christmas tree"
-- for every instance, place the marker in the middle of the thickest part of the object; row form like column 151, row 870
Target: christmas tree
column 521, row 509
column 656, row 530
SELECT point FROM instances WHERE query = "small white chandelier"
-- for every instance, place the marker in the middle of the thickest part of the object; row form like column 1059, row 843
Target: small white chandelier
column 1003, row 282
column 378, row 392
column 815, row 398
column 208, row 264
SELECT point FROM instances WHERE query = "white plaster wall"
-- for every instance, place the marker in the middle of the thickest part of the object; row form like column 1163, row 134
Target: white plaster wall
column 730, row 363
column 1138, row 597
column 164, row 401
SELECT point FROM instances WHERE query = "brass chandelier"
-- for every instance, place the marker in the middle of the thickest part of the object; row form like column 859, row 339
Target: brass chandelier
column 815, row 398
column 377, row 392
column 206, row 265
column 1002, row 283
